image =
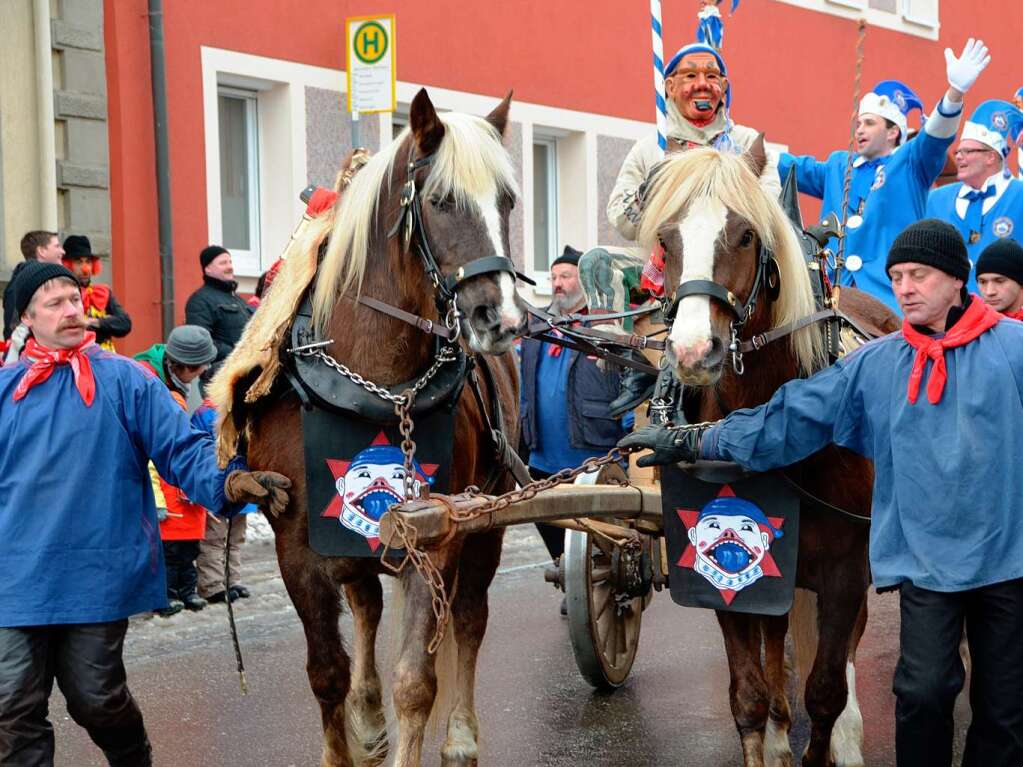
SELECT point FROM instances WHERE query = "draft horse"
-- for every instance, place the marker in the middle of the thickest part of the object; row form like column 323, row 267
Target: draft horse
column 737, row 269
column 462, row 191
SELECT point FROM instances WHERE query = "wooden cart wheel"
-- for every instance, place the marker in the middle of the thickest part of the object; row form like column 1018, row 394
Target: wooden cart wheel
column 603, row 625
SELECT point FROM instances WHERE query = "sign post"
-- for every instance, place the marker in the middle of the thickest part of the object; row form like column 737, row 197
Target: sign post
column 371, row 66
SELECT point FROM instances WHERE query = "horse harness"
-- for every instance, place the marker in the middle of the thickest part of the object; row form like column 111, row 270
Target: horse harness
column 320, row 380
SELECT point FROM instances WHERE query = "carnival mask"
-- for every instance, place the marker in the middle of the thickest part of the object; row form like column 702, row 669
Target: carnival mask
column 697, row 87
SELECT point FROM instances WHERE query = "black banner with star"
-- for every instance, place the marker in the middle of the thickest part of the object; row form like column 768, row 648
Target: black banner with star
column 732, row 546
column 355, row 472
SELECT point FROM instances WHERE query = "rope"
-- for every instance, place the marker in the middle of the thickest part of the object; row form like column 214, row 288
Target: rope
column 847, row 183
column 230, row 609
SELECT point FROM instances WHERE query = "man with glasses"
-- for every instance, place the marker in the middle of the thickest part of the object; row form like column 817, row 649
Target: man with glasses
column 890, row 176
column 987, row 203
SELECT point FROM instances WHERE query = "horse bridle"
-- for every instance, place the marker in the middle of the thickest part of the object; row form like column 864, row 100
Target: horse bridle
column 767, row 272
column 410, row 224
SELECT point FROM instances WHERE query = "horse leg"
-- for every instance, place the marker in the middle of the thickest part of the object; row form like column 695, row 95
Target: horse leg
column 366, row 721
column 847, row 737
column 481, row 555
column 839, row 608
column 317, row 601
column 777, row 749
column 415, row 675
column 747, row 691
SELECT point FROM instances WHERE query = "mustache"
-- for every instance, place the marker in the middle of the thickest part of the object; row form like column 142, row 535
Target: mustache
column 70, row 325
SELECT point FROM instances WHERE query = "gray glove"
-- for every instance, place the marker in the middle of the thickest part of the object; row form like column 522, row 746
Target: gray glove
column 670, row 444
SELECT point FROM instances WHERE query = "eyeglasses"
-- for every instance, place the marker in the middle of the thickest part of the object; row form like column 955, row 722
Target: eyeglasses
column 963, row 152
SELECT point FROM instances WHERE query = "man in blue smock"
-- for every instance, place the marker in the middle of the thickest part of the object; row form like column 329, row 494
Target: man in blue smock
column 937, row 408
column 565, row 396
column 890, row 177
column 79, row 540
column 987, row 203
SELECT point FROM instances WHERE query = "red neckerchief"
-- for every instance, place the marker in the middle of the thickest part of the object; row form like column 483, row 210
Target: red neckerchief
column 1016, row 315
column 977, row 319
column 44, row 362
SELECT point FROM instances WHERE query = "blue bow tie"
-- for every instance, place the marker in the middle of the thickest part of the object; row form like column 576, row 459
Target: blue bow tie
column 975, row 210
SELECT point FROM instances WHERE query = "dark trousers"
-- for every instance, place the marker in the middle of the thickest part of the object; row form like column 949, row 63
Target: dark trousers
column 182, row 577
column 930, row 674
column 86, row 660
column 553, row 537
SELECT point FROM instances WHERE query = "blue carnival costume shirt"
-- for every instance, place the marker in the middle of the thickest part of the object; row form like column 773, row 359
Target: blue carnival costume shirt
column 948, row 494
column 79, row 539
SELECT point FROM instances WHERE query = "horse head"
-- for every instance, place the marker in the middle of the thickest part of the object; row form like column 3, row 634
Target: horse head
column 467, row 197
column 731, row 258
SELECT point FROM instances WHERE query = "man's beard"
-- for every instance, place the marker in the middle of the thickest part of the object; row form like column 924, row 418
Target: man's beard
column 563, row 303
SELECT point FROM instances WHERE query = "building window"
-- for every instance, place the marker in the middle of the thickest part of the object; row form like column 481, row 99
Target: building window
column 923, row 12
column 239, row 175
column 545, row 203
column 913, row 17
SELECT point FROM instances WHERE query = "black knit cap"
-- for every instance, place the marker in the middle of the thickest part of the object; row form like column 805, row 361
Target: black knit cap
column 207, row 254
column 934, row 243
column 1003, row 257
column 31, row 277
column 568, row 256
column 78, row 246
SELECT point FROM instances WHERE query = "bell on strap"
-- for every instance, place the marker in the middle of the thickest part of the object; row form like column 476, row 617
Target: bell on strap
column 975, row 211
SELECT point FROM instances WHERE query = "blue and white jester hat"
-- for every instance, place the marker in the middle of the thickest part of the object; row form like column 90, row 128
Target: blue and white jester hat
column 700, row 48
column 730, row 506
column 996, row 124
column 892, row 100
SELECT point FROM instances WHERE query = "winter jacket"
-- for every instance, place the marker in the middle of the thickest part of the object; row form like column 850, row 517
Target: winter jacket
column 217, row 307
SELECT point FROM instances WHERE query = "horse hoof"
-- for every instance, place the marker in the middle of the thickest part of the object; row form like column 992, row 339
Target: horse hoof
column 458, row 761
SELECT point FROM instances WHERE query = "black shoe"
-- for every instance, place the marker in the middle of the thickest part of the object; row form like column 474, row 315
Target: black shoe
column 220, row 596
column 194, row 602
column 173, row 608
column 239, row 592
column 637, row 388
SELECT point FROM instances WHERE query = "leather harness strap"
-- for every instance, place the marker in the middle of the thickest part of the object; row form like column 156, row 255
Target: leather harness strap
column 427, row 326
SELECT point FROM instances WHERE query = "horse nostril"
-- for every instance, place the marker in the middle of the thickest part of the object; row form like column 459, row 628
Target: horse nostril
column 716, row 355
column 486, row 318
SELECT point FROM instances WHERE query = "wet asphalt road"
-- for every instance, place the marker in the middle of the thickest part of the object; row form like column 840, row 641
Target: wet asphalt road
column 534, row 707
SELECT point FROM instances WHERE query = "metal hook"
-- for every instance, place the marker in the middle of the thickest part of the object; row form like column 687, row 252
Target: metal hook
column 733, row 346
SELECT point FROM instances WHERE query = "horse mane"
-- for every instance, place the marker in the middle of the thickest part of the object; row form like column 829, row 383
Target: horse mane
column 682, row 178
column 469, row 163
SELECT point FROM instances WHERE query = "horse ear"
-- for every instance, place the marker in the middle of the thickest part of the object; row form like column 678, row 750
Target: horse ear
column 756, row 155
column 426, row 126
column 499, row 117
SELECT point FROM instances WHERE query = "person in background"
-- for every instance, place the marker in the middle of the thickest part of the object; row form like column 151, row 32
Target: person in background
column 987, row 203
column 564, row 397
column 216, row 305
column 35, row 246
column 178, row 364
column 1000, row 277
column 103, row 314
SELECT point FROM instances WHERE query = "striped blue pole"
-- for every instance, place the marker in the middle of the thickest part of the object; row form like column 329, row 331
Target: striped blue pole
column 658, row 44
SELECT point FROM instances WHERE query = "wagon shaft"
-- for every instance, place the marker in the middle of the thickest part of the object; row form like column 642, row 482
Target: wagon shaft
column 434, row 523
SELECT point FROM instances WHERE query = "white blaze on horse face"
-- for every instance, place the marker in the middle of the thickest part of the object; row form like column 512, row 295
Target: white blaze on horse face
column 691, row 334
column 511, row 315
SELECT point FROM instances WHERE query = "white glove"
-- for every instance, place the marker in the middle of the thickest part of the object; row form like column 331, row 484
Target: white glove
column 964, row 71
column 18, row 339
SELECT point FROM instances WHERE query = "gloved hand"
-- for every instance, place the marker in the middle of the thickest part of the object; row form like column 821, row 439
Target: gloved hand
column 266, row 489
column 964, row 71
column 670, row 444
column 161, row 514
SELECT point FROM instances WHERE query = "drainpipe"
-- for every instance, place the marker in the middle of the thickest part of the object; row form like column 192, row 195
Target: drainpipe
column 163, row 190
column 47, row 170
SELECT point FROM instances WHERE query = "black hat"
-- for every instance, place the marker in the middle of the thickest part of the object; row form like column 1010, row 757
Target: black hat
column 77, row 246
column 1003, row 257
column 190, row 345
column 30, row 277
column 568, row 256
column 934, row 243
column 207, row 254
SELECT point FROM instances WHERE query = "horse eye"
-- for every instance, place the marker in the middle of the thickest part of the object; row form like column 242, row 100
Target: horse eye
column 747, row 239
column 442, row 204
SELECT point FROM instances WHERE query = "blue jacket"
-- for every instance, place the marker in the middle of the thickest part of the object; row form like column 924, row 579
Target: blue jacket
column 892, row 190
column 948, row 493
column 1005, row 219
column 589, row 390
column 79, row 539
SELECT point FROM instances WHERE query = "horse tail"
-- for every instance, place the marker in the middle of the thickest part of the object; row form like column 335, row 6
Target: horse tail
column 804, row 630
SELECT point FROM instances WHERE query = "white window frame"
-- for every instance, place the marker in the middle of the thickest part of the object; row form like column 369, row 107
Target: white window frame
column 248, row 262
column 898, row 20
column 907, row 14
column 553, row 237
